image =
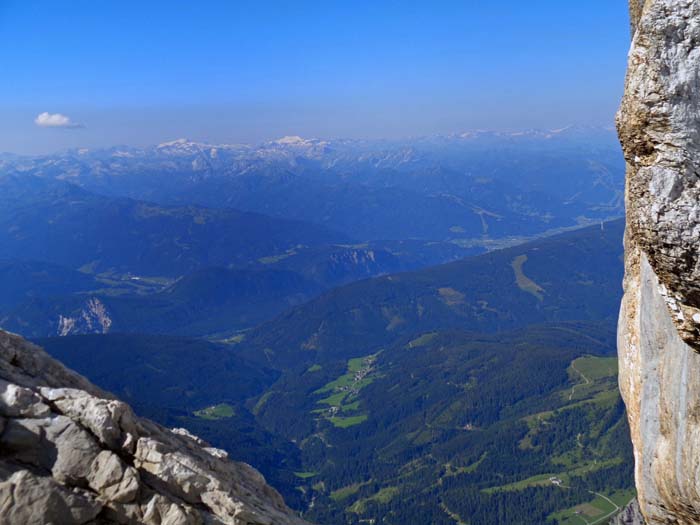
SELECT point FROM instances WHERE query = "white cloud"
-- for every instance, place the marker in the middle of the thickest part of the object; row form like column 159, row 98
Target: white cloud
column 55, row 120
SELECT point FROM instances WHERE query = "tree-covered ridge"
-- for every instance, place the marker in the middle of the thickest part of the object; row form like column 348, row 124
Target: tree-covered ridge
column 467, row 412
column 57, row 222
column 579, row 274
column 462, row 424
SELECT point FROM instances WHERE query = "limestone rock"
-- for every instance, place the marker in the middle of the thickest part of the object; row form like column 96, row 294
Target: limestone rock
column 33, row 500
column 17, row 401
column 113, row 479
column 110, row 420
column 630, row 515
column 161, row 511
column 54, row 444
column 72, row 454
column 658, row 126
column 660, row 382
column 659, row 328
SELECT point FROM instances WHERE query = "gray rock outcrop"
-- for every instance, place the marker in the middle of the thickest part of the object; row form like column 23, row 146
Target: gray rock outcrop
column 630, row 515
column 659, row 328
column 660, row 135
column 71, row 454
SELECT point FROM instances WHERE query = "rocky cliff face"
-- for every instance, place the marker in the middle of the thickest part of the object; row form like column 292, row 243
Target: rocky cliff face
column 71, row 454
column 630, row 515
column 659, row 330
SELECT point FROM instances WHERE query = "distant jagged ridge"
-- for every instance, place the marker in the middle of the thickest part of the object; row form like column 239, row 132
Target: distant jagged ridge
column 72, row 454
column 471, row 185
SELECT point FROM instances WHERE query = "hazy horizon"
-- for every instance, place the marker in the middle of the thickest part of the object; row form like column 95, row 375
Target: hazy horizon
column 391, row 141
column 250, row 72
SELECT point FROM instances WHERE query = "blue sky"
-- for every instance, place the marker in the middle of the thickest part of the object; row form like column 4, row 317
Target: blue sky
column 240, row 71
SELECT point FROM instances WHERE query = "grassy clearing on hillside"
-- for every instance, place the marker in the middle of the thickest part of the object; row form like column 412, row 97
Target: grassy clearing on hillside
column 336, row 400
column 592, row 377
column 540, row 480
column 355, row 365
column 596, row 368
column 545, row 479
column 385, row 495
column 343, row 381
column 220, row 411
column 345, row 492
column 262, row 401
column 277, row 258
column 594, row 382
column 351, row 421
column 450, row 470
column 523, row 281
column 305, row 475
column 351, row 407
column 597, row 511
column 343, row 393
column 422, row 340
column 450, row 296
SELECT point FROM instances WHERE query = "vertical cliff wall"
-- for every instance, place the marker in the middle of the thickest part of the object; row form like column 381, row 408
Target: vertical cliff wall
column 659, row 330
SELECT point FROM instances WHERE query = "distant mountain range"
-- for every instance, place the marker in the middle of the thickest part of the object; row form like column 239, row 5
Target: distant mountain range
column 60, row 223
column 468, row 186
column 389, row 330
column 73, row 261
column 153, row 240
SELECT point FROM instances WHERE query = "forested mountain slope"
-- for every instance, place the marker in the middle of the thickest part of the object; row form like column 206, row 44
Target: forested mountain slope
column 572, row 276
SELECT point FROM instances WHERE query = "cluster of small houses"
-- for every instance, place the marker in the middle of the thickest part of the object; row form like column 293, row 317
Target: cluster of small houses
column 352, row 389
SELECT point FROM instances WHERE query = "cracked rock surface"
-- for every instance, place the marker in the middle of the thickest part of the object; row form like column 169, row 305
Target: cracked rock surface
column 658, row 127
column 630, row 515
column 659, row 328
column 71, row 454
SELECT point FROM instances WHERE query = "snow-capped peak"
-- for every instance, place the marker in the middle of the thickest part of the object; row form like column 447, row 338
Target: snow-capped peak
column 292, row 140
column 174, row 143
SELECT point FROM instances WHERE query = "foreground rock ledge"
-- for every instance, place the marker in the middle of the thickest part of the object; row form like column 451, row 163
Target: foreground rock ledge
column 73, row 454
column 659, row 328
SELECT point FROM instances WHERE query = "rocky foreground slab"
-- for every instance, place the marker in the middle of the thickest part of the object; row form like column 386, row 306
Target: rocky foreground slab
column 71, row 453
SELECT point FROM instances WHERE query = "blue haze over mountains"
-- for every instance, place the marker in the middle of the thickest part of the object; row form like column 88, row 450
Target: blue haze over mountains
column 199, row 239
column 436, row 188
column 390, row 326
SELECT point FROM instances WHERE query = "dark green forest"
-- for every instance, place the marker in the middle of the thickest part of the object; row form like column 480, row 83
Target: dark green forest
column 478, row 392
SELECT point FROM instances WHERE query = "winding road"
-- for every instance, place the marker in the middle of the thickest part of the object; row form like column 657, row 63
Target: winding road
column 587, row 381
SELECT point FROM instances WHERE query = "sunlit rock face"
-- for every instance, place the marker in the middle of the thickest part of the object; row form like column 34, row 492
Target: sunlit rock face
column 659, row 126
column 659, row 329
column 71, row 454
